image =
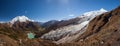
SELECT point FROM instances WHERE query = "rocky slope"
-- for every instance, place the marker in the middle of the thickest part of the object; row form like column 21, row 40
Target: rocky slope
column 14, row 33
column 103, row 30
column 18, row 27
column 7, row 41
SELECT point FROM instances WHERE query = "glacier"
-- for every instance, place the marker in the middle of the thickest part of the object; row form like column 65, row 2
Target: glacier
column 62, row 34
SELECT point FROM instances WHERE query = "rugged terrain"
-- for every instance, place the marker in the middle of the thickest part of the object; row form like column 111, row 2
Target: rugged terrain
column 76, row 28
column 94, row 28
column 103, row 30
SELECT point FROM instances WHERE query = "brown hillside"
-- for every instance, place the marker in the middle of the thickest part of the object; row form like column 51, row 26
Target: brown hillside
column 104, row 30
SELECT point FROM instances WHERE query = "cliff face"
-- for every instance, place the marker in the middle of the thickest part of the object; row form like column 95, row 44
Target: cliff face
column 103, row 30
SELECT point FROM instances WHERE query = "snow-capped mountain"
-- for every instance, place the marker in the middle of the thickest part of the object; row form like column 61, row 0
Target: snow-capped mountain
column 21, row 23
column 60, row 34
column 92, row 14
column 20, row 19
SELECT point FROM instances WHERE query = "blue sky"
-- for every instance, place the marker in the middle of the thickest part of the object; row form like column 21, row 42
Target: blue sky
column 44, row 10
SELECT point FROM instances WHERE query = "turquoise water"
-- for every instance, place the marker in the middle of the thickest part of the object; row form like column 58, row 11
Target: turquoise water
column 31, row 35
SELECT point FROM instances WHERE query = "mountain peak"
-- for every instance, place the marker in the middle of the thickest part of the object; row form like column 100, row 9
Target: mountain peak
column 102, row 9
column 93, row 13
column 20, row 19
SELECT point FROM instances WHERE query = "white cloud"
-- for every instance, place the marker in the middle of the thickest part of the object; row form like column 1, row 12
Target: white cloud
column 68, row 17
column 2, row 22
column 71, row 15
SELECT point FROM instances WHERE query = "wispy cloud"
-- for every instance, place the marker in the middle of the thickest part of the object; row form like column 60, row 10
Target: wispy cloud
column 68, row 17
column 71, row 15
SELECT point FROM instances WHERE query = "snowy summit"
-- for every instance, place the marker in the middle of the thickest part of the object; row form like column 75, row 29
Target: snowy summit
column 20, row 19
column 94, row 13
